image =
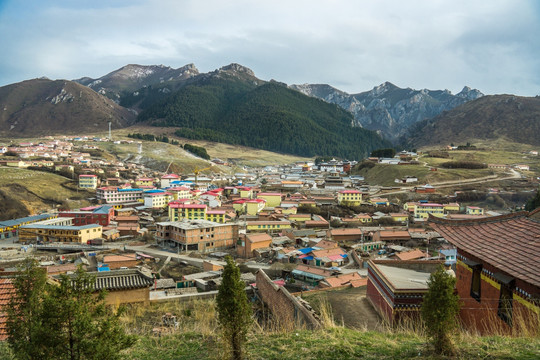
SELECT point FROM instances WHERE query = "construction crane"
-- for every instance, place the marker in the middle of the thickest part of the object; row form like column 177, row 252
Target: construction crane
column 197, row 171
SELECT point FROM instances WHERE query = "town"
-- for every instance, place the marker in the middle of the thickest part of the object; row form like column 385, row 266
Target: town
column 295, row 229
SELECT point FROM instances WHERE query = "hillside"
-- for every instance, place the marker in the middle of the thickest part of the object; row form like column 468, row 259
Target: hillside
column 389, row 109
column 42, row 106
column 230, row 106
column 512, row 118
column 26, row 192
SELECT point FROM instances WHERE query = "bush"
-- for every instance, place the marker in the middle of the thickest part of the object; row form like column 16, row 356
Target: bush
column 463, row 165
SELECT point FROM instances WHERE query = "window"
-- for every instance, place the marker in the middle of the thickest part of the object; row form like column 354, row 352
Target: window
column 476, row 280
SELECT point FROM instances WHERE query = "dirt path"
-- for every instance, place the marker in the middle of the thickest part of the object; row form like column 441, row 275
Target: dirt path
column 350, row 308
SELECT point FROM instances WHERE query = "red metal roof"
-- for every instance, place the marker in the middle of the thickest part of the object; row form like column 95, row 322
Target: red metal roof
column 507, row 242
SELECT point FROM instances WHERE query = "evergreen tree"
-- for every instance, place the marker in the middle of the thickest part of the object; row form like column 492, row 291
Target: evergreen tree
column 26, row 335
column 234, row 311
column 64, row 321
column 84, row 327
column 440, row 308
column 533, row 202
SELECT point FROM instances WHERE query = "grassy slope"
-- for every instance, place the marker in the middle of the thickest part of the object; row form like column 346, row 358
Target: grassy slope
column 241, row 155
column 37, row 191
column 385, row 175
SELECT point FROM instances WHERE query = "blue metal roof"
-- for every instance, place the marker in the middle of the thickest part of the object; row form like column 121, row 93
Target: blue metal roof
column 102, row 209
column 154, row 191
column 19, row 221
column 121, row 190
column 306, row 250
column 60, row 227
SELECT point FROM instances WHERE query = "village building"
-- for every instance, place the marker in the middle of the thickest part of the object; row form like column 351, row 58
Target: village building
column 88, row 181
column 250, row 243
column 179, row 210
column 272, row 199
column 392, row 237
column 167, row 179
column 117, row 195
column 474, row 210
column 268, row 226
column 197, row 235
column 59, row 233
column 349, row 197
column 497, row 270
column 101, row 215
column 396, row 288
column 9, row 228
column 156, row 199
column 422, row 210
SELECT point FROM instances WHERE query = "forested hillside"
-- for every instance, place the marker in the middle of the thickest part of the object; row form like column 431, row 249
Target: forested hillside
column 270, row 116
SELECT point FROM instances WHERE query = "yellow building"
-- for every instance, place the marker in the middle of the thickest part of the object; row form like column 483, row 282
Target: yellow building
column 272, row 199
column 239, row 206
column 255, row 206
column 157, row 200
column 179, row 211
column 56, row 233
column 423, row 210
column 245, row 192
column 299, row 218
column 349, row 197
column 288, row 210
column 144, row 182
column 410, row 206
column 88, row 181
column 180, row 192
column 364, row 218
column 399, row 217
column 267, row 226
column 216, row 216
column 474, row 210
column 451, row 208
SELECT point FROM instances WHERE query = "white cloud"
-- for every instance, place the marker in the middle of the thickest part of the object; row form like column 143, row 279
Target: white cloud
column 353, row 45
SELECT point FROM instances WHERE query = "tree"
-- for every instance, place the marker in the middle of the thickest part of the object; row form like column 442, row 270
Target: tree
column 234, row 311
column 533, row 202
column 439, row 310
column 83, row 326
column 26, row 335
column 62, row 321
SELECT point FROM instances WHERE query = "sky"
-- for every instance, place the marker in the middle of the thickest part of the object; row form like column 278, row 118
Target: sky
column 353, row 45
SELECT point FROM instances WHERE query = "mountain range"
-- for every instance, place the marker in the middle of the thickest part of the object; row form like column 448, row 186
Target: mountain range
column 514, row 118
column 388, row 109
column 232, row 105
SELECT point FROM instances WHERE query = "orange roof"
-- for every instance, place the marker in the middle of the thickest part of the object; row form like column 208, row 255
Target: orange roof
column 325, row 244
column 314, row 270
column 328, row 252
column 335, row 232
column 353, row 278
column 258, row 237
column 7, row 291
column 113, row 258
column 394, row 234
column 412, row 255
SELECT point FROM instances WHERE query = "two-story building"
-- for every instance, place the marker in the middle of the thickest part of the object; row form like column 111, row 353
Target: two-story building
column 422, row 210
column 272, row 199
column 180, row 210
column 157, row 199
column 116, row 195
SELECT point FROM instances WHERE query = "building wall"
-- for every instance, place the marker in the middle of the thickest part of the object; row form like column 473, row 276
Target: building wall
column 118, row 264
column 289, row 313
column 482, row 315
column 128, row 296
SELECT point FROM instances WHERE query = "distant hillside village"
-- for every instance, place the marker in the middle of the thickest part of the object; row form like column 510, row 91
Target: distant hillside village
column 294, row 228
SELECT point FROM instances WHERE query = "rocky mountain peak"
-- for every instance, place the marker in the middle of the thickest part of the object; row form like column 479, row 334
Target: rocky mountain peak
column 237, row 68
column 469, row 94
column 382, row 89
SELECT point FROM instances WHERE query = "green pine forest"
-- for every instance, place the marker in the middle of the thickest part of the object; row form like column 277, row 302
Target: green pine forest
column 269, row 116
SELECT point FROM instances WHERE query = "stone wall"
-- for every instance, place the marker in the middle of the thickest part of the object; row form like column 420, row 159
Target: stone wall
column 288, row 311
